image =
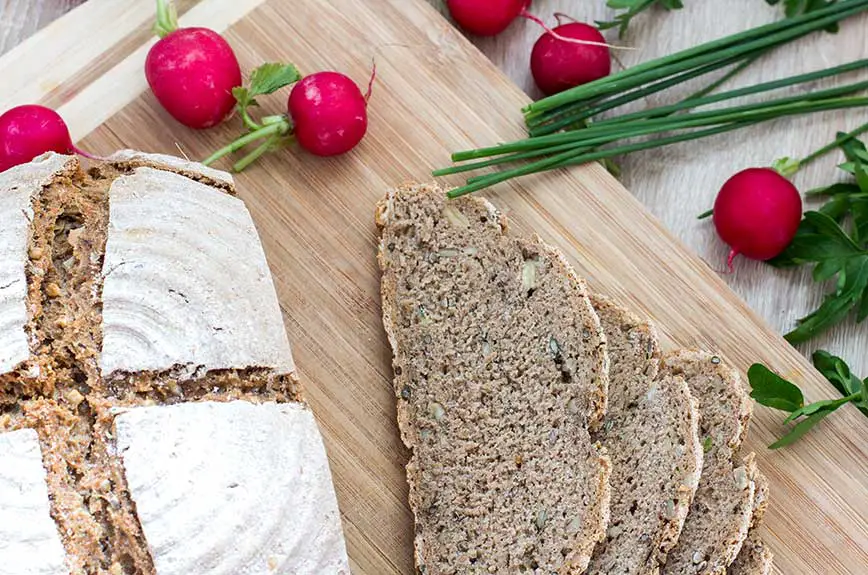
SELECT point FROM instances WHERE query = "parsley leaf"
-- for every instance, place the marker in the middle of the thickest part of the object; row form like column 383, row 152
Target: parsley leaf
column 632, row 8
column 771, row 390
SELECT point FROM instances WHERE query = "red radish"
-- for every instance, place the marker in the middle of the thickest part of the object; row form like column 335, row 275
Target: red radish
column 326, row 113
column 31, row 130
column 486, row 17
column 191, row 71
column 559, row 65
column 329, row 113
column 757, row 213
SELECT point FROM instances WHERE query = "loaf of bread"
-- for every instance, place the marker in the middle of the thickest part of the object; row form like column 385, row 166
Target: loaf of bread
column 651, row 434
column 500, row 376
column 146, row 366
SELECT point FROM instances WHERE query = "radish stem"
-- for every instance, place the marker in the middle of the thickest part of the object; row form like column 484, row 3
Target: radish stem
column 276, row 128
column 167, row 18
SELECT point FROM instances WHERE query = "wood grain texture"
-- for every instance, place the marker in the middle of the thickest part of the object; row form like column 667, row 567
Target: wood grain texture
column 19, row 19
column 436, row 94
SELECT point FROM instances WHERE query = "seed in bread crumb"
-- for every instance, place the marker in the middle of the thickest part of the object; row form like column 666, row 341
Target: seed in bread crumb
column 36, row 253
column 52, row 290
column 528, row 275
column 405, row 393
column 698, row 557
column 455, row 217
column 740, row 475
column 715, row 360
column 554, row 347
column 518, row 460
column 74, row 397
column 541, row 517
column 436, row 410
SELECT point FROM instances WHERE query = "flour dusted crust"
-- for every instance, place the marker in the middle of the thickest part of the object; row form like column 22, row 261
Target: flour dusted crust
column 487, row 496
column 131, row 159
column 18, row 187
column 186, row 282
column 246, row 487
column 29, row 542
column 168, row 304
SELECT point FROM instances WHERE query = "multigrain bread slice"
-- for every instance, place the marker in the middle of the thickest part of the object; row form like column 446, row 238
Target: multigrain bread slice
column 500, row 371
column 720, row 515
column 651, row 434
column 755, row 558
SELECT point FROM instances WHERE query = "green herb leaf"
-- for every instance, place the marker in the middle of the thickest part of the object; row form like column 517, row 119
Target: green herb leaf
column 800, row 429
column 811, row 408
column 633, row 8
column 266, row 79
column 851, row 289
column 706, row 444
column 840, row 188
column 837, row 372
column 771, row 390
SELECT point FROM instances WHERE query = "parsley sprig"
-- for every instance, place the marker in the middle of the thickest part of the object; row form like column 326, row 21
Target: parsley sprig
column 771, row 390
column 631, row 9
column 834, row 239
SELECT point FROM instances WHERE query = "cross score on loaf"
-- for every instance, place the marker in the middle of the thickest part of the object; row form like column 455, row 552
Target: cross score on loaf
column 150, row 417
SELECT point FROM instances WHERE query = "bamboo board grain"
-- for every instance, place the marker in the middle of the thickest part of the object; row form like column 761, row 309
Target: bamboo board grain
column 435, row 93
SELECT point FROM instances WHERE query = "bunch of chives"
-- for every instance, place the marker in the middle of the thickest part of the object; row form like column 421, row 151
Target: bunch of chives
column 563, row 129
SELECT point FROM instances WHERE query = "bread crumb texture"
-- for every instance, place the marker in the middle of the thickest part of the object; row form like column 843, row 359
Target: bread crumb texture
column 53, row 386
column 500, row 374
column 652, row 435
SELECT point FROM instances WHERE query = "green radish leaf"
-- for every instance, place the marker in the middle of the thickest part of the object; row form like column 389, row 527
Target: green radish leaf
column 270, row 77
column 771, row 390
column 266, row 79
column 800, row 429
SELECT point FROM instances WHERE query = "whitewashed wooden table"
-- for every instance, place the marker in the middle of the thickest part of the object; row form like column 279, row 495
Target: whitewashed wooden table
column 679, row 182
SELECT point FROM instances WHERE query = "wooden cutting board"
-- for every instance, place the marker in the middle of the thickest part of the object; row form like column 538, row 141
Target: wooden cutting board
column 434, row 94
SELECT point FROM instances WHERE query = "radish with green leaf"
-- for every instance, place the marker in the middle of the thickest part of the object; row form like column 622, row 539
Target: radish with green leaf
column 757, row 214
column 326, row 113
column 29, row 131
column 191, row 71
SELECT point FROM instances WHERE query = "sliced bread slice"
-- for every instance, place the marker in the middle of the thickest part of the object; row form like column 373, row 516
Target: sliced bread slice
column 720, row 514
column 651, row 433
column 755, row 558
column 500, row 371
